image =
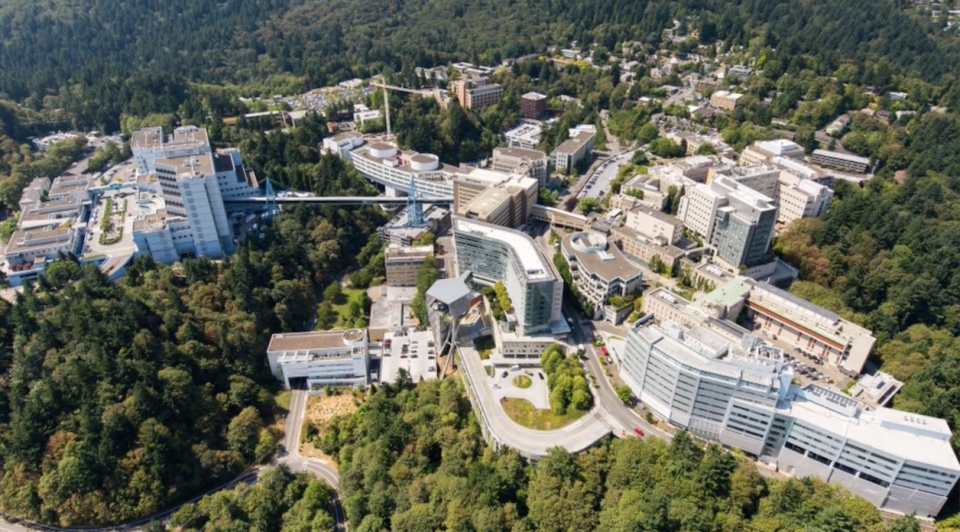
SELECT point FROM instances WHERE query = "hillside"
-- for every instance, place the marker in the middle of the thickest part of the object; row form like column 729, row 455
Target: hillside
column 270, row 44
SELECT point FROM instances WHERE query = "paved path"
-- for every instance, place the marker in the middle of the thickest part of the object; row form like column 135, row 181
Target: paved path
column 617, row 414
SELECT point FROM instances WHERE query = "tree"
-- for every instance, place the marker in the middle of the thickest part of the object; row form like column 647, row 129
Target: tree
column 639, row 158
column 244, row 432
column 588, row 205
column 646, row 135
column 624, row 393
column 427, row 238
column 706, row 149
column 333, row 293
column 503, row 298
column 666, row 148
column 806, row 136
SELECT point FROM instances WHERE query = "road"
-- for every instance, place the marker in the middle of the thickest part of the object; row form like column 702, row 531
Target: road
column 292, row 458
column 614, row 409
column 530, row 443
column 293, row 428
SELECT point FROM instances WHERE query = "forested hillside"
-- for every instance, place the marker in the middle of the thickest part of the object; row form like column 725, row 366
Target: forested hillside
column 119, row 399
column 97, row 55
column 888, row 256
column 412, row 460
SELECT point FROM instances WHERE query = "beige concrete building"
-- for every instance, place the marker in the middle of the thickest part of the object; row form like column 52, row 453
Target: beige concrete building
column 725, row 100
column 566, row 156
column 477, row 92
column 599, row 271
column 764, row 150
column 699, row 207
column 494, row 197
column 643, row 248
column 760, row 177
column 654, row 224
column 403, row 262
column 801, row 198
column 320, row 358
column 531, row 163
column 841, row 161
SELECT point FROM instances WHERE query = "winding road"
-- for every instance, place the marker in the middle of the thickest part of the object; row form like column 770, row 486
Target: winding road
column 293, row 428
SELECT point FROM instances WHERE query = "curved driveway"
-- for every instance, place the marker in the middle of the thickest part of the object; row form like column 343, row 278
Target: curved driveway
column 530, row 443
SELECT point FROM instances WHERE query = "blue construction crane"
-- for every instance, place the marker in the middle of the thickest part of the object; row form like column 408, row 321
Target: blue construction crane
column 271, row 196
column 414, row 209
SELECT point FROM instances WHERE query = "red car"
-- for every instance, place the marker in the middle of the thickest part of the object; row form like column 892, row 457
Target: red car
column 604, row 350
column 639, row 432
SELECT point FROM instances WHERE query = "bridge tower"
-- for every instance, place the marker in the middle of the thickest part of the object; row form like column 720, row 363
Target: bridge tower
column 271, row 195
column 414, row 209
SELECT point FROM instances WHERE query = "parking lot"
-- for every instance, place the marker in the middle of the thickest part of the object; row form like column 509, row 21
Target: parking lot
column 502, row 385
column 598, row 184
column 413, row 351
column 807, row 367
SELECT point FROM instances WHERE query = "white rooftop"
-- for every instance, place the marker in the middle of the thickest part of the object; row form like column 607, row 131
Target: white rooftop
column 523, row 246
column 778, row 146
column 902, row 434
column 710, row 353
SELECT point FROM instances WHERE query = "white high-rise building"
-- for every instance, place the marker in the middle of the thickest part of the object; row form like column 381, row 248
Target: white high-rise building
column 736, row 220
column 182, row 188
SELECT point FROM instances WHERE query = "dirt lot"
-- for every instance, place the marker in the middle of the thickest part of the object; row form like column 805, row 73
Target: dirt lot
column 320, row 410
column 323, row 408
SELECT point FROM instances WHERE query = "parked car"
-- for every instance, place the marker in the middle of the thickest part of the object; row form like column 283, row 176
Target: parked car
column 540, row 375
column 639, row 432
column 504, row 374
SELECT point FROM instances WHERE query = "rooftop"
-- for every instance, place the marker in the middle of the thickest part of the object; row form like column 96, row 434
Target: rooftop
column 523, row 247
column 31, row 239
column 659, row 215
column 596, row 256
column 728, row 294
column 575, row 142
column 778, row 146
column 532, row 95
column 150, row 138
column 190, row 165
column 449, row 290
column 519, row 153
column 709, row 352
column 304, row 341
column 405, row 253
column 902, row 434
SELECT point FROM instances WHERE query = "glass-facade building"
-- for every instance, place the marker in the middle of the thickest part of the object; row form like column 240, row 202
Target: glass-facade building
column 493, row 253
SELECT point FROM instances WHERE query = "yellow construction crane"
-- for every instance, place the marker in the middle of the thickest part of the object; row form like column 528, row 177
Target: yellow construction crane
column 386, row 98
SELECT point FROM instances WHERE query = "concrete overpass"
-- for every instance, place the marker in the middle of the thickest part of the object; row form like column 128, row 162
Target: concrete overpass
column 336, row 200
column 560, row 218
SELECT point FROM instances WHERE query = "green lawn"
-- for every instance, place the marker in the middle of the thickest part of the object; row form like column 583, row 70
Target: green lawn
column 349, row 294
column 489, row 370
column 522, row 381
column 523, row 412
column 282, row 400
